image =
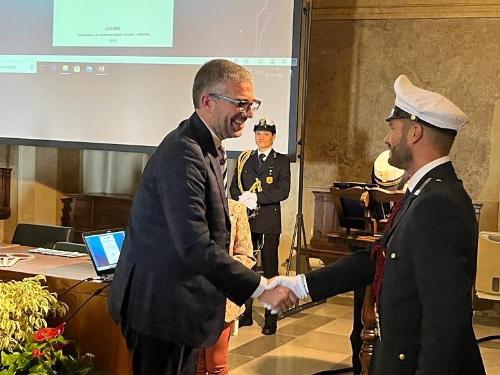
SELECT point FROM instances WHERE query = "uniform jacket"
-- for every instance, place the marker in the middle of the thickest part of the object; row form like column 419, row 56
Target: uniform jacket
column 240, row 248
column 175, row 272
column 275, row 178
column 425, row 303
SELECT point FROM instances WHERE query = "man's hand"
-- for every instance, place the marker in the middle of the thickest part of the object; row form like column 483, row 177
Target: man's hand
column 278, row 299
column 297, row 284
column 249, row 200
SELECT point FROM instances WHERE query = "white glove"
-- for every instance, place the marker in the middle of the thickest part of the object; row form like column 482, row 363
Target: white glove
column 297, row 284
column 249, row 200
column 250, row 196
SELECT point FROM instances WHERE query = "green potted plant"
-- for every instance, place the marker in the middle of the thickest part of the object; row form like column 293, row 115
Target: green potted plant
column 27, row 345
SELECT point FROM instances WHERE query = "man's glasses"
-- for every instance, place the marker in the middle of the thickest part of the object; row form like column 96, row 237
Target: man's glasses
column 244, row 105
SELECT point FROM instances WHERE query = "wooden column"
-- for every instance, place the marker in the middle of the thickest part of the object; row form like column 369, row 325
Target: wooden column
column 5, row 193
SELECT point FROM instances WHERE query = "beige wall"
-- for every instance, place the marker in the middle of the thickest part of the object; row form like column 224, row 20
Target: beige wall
column 40, row 176
column 357, row 49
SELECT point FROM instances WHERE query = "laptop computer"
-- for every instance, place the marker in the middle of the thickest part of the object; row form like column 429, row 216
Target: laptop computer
column 104, row 249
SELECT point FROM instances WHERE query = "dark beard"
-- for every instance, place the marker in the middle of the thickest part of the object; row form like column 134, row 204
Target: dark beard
column 401, row 156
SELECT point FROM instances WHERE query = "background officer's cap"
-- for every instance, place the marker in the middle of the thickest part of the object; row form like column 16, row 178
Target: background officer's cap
column 265, row 124
column 427, row 107
column 384, row 174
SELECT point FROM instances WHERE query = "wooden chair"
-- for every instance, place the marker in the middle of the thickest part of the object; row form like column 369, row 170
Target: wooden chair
column 352, row 208
column 381, row 203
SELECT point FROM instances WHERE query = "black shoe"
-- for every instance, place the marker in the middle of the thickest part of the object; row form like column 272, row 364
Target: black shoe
column 270, row 324
column 245, row 320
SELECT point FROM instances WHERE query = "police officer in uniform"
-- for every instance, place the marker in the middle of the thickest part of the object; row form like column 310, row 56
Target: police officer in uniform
column 424, row 266
column 261, row 181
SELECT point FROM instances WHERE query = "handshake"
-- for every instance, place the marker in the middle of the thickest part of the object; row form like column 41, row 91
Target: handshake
column 283, row 292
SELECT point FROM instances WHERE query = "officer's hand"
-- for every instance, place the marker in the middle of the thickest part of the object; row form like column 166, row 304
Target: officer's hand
column 250, row 196
column 297, row 284
column 249, row 200
column 278, row 299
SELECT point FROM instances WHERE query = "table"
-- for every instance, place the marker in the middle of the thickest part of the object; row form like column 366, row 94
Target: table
column 92, row 329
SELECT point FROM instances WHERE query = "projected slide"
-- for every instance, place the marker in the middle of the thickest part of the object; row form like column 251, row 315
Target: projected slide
column 113, row 23
column 118, row 74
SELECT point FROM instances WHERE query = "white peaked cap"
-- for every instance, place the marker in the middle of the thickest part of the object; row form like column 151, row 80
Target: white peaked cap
column 385, row 174
column 428, row 106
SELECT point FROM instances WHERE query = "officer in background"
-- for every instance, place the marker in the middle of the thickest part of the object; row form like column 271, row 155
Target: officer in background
column 261, row 181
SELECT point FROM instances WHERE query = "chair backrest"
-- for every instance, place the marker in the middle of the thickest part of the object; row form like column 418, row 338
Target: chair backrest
column 381, row 203
column 352, row 207
column 71, row 246
column 40, row 235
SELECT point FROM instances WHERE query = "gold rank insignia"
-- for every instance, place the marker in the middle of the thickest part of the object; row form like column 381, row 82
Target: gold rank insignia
column 269, row 179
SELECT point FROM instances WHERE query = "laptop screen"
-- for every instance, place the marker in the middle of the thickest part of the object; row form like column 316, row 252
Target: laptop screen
column 104, row 249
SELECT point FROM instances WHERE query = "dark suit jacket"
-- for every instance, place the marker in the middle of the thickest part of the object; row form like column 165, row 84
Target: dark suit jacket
column 274, row 175
column 174, row 270
column 425, row 303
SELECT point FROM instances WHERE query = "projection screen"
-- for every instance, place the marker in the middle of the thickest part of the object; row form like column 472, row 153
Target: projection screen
column 117, row 74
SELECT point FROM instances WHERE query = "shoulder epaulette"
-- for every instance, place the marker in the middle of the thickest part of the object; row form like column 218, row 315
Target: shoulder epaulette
column 426, row 182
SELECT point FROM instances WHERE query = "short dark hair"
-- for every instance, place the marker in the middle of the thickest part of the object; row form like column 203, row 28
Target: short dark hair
column 441, row 138
column 215, row 72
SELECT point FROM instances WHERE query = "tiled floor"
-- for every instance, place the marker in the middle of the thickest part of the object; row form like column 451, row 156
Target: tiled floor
column 317, row 339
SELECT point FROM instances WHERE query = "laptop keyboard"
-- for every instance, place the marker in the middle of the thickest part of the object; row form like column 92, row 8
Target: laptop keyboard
column 60, row 253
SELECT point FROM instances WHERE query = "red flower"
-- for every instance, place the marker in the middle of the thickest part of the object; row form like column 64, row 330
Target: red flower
column 48, row 333
column 37, row 353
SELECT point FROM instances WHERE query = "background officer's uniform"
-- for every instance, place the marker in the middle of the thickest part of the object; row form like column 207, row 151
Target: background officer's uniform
column 265, row 222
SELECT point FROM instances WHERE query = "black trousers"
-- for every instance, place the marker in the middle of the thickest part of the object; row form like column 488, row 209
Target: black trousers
column 155, row 356
column 268, row 243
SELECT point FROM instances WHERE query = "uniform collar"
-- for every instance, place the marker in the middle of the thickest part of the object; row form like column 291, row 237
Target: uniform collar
column 266, row 153
column 417, row 176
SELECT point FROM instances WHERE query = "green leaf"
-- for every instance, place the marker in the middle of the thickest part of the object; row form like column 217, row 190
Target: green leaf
column 24, row 361
column 37, row 370
column 8, row 359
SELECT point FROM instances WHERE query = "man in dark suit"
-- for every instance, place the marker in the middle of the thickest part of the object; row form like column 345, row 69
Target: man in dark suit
column 174, row 272
column 261, row 181
column 423, row 269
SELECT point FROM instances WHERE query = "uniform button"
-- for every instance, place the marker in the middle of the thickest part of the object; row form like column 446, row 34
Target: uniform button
column 402, row 357
column 393, row 255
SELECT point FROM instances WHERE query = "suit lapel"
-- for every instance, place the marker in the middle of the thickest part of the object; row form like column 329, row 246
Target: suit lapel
column 202, row 135
column 406, row 205
column 445, row 171
column 215, row 165
column 253, row 162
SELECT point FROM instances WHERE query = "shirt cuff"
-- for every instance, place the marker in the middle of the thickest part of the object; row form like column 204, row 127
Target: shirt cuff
column 303, row 283
column 261, row 288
